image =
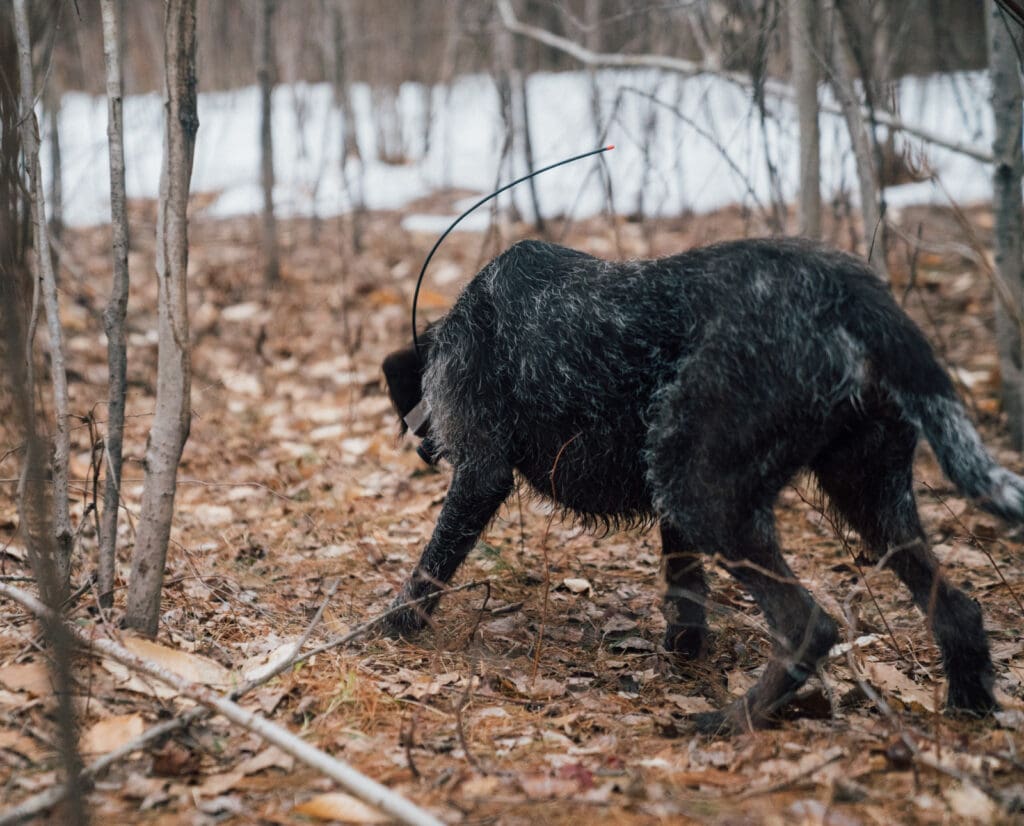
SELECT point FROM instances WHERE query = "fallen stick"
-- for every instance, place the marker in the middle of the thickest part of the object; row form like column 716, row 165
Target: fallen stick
column 352, row 781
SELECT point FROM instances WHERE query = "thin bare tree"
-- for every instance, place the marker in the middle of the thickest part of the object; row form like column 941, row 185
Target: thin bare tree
column 174, row 368
column 804, row 75
column 842, row 80
column 46, row 285
column 35, row 494
column 117, row 305
column 265, row 74
column 1007, row 101
column 51, row 109
column 352, row 168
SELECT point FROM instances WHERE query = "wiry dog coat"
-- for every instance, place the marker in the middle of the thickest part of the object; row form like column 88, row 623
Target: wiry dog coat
column 688, row 391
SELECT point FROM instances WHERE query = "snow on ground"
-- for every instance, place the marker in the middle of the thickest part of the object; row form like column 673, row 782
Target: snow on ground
column 701, row 148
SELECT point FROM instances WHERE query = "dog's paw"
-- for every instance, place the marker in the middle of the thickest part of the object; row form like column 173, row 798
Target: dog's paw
column 686, row 641
column 971, row 695
column 405, row 620
column 972, row 699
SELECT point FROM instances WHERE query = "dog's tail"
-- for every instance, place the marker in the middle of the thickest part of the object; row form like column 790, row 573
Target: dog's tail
column 905, row 365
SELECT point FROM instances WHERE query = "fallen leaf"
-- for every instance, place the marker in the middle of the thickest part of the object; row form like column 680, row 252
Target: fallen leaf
column 343, row 807
column 20, row 744
column 33, row 678
column 968, row 801
column 690, row 704
column 192, row 667
column 541, row 688
column 216, row 784
column 256, row 667
column 112, row 733
column 270, row 758
column 888, row 679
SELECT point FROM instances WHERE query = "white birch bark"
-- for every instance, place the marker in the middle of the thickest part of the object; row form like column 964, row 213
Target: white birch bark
column 174, row 370
column 117, row 305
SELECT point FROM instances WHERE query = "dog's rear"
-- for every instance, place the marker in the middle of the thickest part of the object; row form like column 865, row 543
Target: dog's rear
column 687, row 391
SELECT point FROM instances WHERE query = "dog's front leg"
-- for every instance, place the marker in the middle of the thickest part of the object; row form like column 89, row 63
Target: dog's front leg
column 474, row 497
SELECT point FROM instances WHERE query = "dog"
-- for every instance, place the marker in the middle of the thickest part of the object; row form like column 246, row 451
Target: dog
column 686, row 392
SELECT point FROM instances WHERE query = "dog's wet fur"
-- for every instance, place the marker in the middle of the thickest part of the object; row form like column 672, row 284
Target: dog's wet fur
column 686, row 392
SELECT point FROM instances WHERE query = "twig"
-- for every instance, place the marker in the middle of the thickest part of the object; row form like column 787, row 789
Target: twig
column 789, row 781
column 690, row 69
column 224, row 704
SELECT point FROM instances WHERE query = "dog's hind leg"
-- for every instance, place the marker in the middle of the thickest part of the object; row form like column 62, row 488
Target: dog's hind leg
column 803, row 633
column 868, row 476
column 473, row 498
column 685, row 596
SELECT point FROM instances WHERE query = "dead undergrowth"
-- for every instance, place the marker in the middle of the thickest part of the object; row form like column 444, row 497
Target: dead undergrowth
column 539, row 704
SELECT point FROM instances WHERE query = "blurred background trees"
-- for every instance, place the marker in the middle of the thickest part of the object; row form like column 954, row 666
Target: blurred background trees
column 843, row 59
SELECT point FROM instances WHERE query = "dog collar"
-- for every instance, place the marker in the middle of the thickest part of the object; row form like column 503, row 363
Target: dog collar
column 417, row 417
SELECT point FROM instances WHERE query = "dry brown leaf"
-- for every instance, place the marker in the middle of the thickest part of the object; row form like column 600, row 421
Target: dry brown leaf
column 127, row 680
column 541, row 688
column 216, row 784
column 21, row 744
column 271, row 757
column 888, row 679
column 971, row 803
column 341, row 806
column 709, row 777
column 111, row 733
column 690, row 704
column 192, row 667
column 33, row 678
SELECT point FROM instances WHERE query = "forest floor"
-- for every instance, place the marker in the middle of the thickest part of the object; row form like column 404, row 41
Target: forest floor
column 549, row 701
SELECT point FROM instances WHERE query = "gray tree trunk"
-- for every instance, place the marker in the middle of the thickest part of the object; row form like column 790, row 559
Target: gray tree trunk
column 265, row 75
column 352, row 168
column 1007, row 102
column 803, row 52
column 36, row 498
column 841, row 76
column 47, row 285
column 52, row 105
column 114, row 313
column 174, row 369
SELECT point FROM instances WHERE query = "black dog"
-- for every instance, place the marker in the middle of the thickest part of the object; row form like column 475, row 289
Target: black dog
column 687, row 392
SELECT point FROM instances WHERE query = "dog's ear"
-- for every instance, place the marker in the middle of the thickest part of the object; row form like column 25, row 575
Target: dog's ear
column 403, row 373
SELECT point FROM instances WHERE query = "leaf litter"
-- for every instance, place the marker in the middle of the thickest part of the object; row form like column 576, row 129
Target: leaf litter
column 540, row 704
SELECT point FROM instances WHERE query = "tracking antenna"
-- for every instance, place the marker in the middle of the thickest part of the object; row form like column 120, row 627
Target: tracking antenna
column 484, row 200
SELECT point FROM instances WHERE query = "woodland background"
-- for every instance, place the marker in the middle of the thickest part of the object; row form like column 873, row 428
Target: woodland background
column 195, row 444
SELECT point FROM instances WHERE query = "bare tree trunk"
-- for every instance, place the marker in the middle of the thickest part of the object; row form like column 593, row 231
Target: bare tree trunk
column 174, row 377
column 1007, row 101
column 51, row 107
column 114, row 313
column 804, row 73
column 265, row 74
column 35, row 507
column 48, row 290
column 867, row 175
column 352, row 169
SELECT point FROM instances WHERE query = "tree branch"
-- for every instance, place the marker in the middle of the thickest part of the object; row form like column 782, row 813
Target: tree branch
column 689, row 68
column 352, row 781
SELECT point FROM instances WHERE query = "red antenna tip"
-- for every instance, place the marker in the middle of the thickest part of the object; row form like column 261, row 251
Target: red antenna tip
column 609, row 146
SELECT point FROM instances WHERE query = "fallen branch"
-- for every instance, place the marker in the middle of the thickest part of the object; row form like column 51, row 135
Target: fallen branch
column 690, row 68
column 352, row 781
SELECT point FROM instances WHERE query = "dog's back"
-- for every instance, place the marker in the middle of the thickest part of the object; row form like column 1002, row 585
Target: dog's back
column 578, row 369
